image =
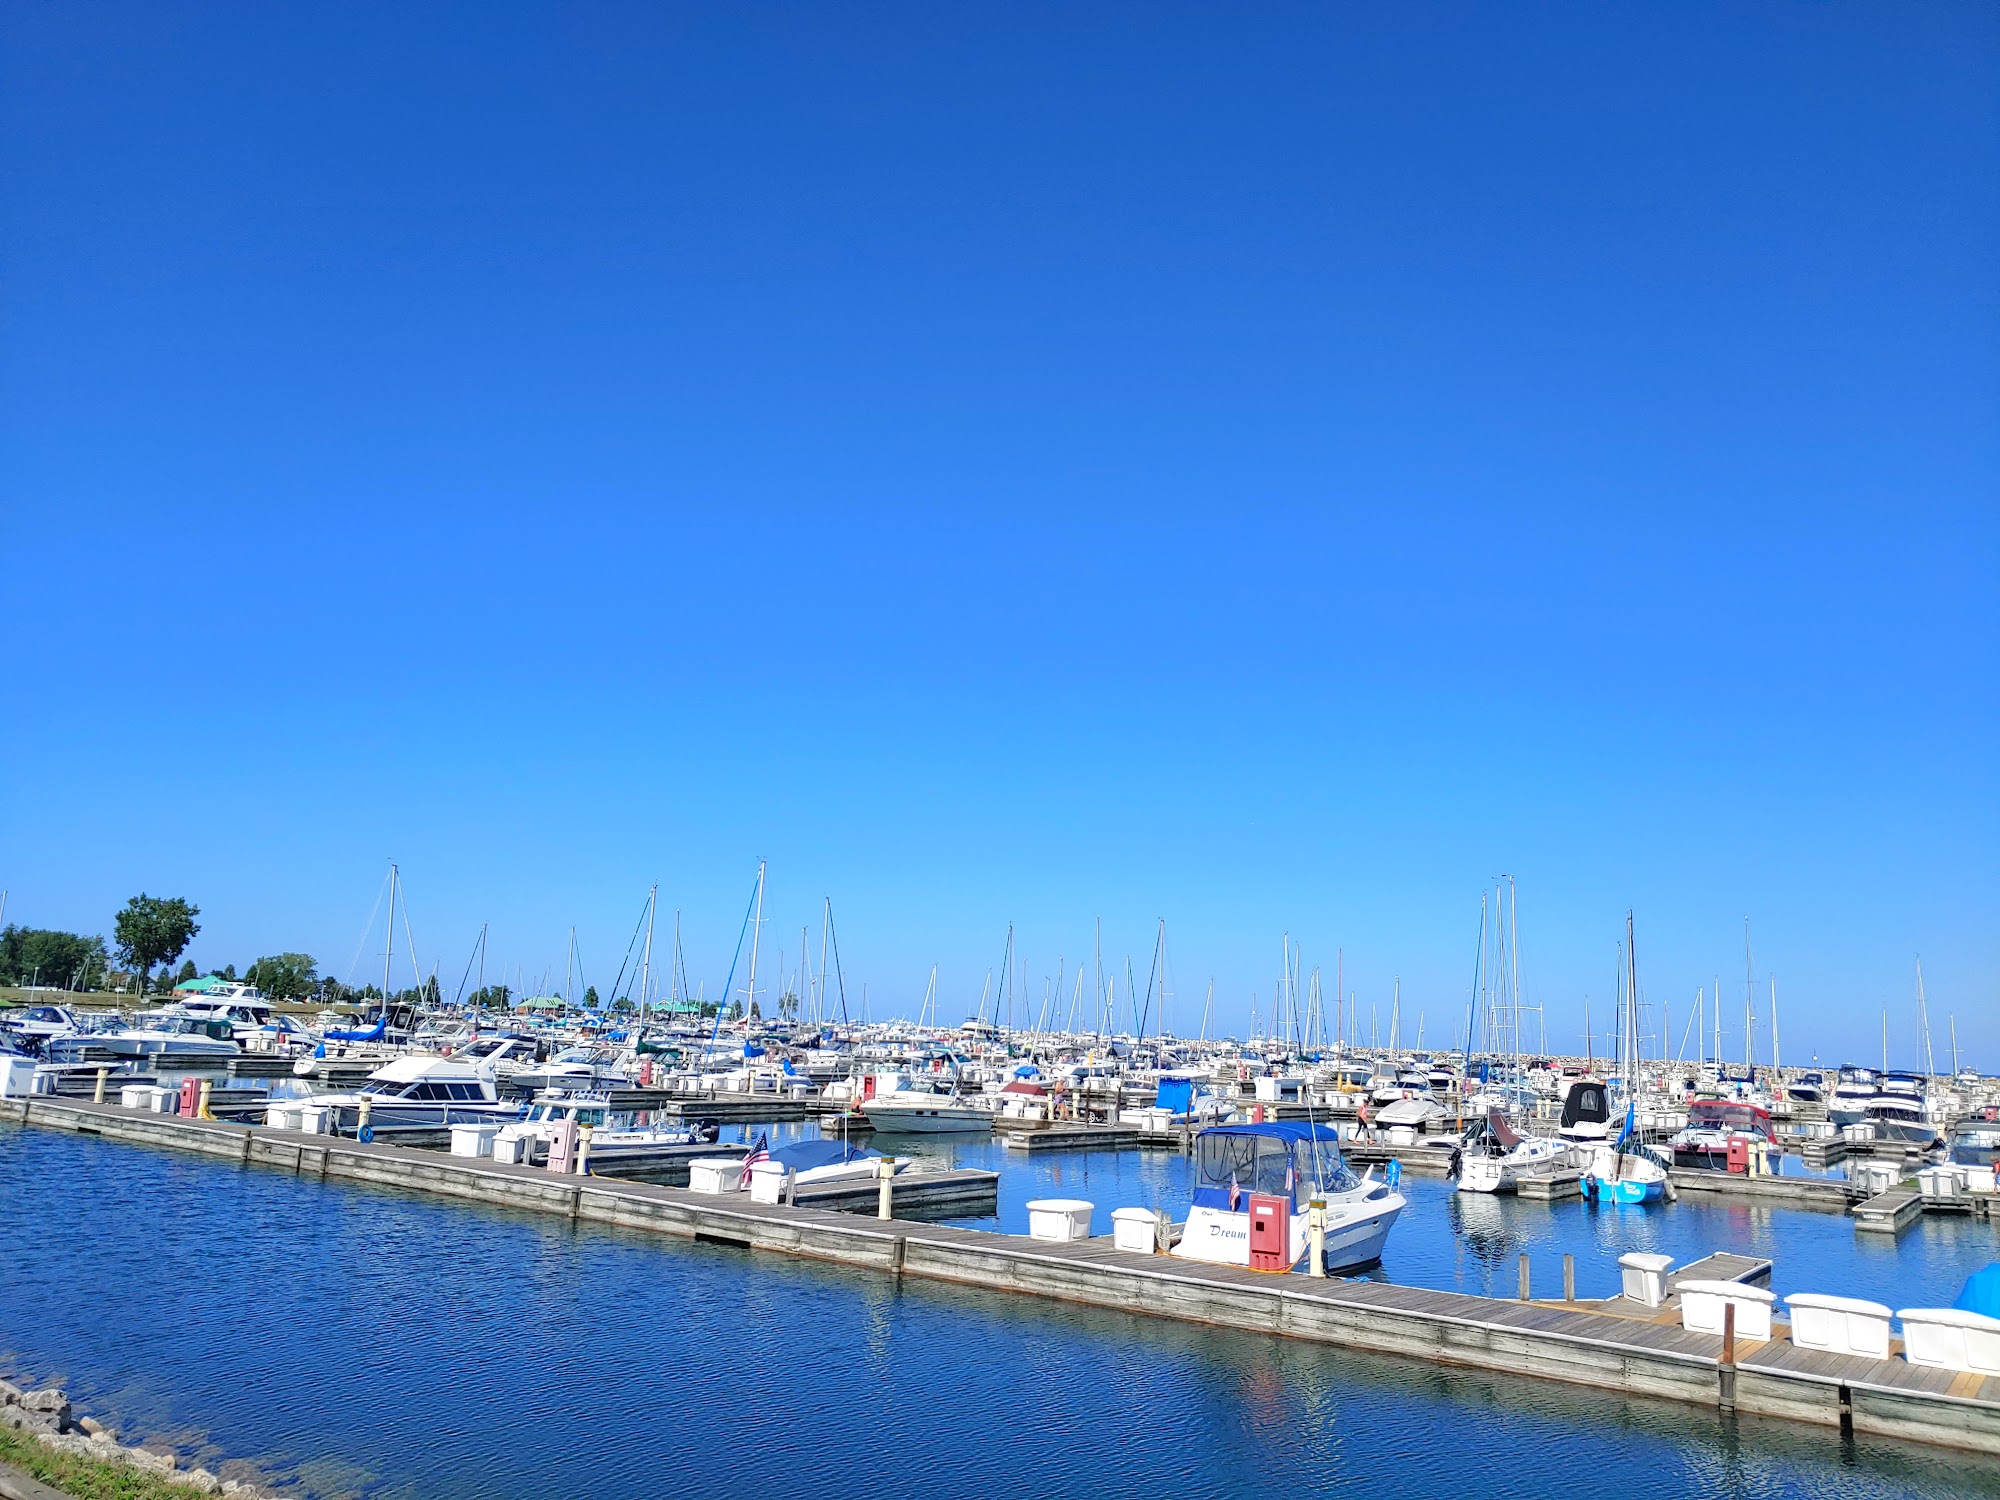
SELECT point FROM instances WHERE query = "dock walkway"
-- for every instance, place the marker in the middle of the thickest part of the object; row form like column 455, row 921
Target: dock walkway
column 1595, row 1345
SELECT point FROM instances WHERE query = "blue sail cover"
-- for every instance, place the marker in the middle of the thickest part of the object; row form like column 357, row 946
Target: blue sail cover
column 374, row 1033
column 1982, row 1292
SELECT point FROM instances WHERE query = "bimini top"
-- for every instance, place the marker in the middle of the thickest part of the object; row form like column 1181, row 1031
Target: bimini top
column 1284, row 1130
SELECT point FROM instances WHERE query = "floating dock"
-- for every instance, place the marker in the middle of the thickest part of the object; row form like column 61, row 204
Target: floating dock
column 1612, row 1344
column 1067, row 1135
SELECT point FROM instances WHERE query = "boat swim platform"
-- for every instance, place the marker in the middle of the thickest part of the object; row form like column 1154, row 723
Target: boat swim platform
column 1603, row 1346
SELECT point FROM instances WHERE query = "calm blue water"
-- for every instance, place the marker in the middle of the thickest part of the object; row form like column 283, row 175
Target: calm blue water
column 1472, row 1241
column 355, row 1342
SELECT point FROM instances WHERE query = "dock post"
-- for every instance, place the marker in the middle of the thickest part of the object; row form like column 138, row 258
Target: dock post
column 1316, row 1220
column 583, row 1150
column 1725, row 1372
column 201, row 1111
column 1524, row 1276
column 103, row 1077
column 361, row 1129
column 885, row 1175
column 1569, row 1277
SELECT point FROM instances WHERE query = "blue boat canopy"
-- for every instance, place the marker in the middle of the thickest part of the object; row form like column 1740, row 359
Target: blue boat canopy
column 1176, row 1095
column 1982, row 1292
column 1284, row 1130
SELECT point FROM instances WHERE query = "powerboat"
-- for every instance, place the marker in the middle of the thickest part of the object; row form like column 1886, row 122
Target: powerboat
column 1807, row 1088
column 1586, row 1112
column 1851, row 1094
column 1712, row 1125
column 161, row 1035
column 1494, row 1158
column 1897, row 1117
column 1183, row 1098
column 615, row 1134
column 418, row 1092
column 1254, row 1190
column 927, row 1109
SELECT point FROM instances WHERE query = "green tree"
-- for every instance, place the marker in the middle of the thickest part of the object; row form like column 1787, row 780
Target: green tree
column 590, row 997
column 284, row 976
column 154, row 930
column 492, row 997
column 623, row 1006
column 38, row 955
column 188, row 971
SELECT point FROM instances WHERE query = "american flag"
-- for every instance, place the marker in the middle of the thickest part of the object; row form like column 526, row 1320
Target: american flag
column 759, row 1152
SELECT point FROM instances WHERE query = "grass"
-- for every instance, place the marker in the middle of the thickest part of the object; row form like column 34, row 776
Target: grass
column 85, row 1478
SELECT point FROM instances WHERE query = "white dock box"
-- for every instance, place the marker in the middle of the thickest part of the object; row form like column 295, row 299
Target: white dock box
column 1643, row 1277
column 1135, row 1229
column 1947, row 1339
column 1943, row 1181
column 473, row 1140
column 767, row 1181
column 714, row 1174
column 1839, row 1325
column 314, row 1119
column 17, row 1077
column 1059, row 1219
column 1875, row 1176
column 1702, row 1303
column 277, row 1116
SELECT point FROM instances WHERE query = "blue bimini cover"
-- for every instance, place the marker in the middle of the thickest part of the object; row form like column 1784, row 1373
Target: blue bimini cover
column 1982, row 1292
column 1176, row 1095
column 805, row 1155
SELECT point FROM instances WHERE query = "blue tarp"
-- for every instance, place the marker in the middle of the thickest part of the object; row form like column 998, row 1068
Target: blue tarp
column 1027, row 1070
column 1982, row 1292
column 1176, row 1095
column 374, row 1033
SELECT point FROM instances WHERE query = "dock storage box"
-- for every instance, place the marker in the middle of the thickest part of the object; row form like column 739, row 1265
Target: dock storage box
column 1702, row 1303
column 1839, row 1325
column 473, row 1140
column 1946, row 1339
column 314, row 1118
column 1135, row 1229
column 277, row 1116
column 1874, row 1176
column 1059, row 1219
column 714, row 1174
column 17, row 1077
column 767, row 1181
column 1944, row 1181
column 1644, row 1277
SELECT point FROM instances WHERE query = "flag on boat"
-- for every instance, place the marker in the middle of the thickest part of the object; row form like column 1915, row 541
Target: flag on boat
column 759, row 1152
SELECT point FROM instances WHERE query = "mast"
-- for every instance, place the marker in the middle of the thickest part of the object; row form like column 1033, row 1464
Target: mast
column 646, row 954
column 756, row 930
column 1775, row 1063
column 389, row 942
column 569, row 963
column 1924, row 1023
column 1749, row 1004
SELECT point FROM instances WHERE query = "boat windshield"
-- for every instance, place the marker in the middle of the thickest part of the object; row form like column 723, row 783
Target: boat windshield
column 1247, row 1163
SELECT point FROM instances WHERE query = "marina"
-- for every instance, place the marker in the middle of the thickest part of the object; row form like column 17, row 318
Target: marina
column 1629, row 1346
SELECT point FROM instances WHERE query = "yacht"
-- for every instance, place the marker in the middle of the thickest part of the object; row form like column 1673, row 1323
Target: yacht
column 1897, row 1117
column 615, row 1134
column 40, row 1024
column 1254, row 1185
column 1586, row 1112
column 1851, row 1093
column 1807, row 1088
column 926, row 1109
column 1712, row 1124
column 420, row 1091
column 162, row 1034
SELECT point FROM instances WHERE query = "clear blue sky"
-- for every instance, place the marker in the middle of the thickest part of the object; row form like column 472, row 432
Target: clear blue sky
column 1272, row 468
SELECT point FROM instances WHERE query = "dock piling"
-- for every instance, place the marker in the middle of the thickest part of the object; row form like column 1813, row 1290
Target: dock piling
column 1524, row 1276
column 1317, row 1219
column 1569, row 1277
column 885, row 1175
column 103, row 1078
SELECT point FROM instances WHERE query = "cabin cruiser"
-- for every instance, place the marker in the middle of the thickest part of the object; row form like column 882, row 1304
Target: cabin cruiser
column 241, row 1006
column 420, row 1091
column 1851, row 1093
column 1493, row 1157
column 1807, row 1088
column 1586, row 1112
column 1974, row 1145
column 614, row 1133
column 160, row 1034
column 1254, row 1186
column 1897, row 1117
column 1712, row 1125
column 1413, row 1112
column 40, row 1024
column 931, row 1108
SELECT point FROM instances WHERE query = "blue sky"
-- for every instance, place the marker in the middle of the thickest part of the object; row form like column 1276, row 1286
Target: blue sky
column 1271, row 469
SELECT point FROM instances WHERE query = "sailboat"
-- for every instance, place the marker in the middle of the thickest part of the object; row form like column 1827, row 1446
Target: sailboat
column 1625, row 1170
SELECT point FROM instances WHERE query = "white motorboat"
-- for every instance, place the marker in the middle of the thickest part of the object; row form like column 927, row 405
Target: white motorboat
column 927, row 1109
column 420, row 1091
column 1183, row 1098
column 615, row 1134
column 161, row 1035
column 1254, row 1190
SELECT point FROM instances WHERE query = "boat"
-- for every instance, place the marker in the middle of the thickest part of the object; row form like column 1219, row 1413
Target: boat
column 615, row 1134
column 161, row 1035
column 1712, row 1125
column 418, row 1092
column 913, row 1108
column 1897, row 1117
column 1852, row 1090
column 1586, row 1112
column 1807, row 1088
column 1493, row 1157
column 1624, row 1171
column 1254, row 1187
column 1183, row 1098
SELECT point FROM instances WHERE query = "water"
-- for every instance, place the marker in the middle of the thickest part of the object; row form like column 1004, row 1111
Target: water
column 354, row 1342
column 1471, row 1242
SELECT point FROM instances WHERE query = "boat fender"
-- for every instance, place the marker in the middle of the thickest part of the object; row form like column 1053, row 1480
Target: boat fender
column 365, row 1134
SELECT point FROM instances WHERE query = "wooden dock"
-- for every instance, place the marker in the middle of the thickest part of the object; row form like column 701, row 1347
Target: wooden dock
column 1889, row 1213
column 1597, row 1345
column 1067, row 1135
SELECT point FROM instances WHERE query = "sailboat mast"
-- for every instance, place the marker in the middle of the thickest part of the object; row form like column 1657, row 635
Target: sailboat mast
column 646, row 955
column 1775, row 1062
column 756, row 930
column 389, row 941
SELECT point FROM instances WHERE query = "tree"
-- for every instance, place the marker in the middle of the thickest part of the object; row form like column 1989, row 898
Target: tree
column 624, row 1006
column 590, row 997
column 492, row 997
column 154, row 930
column 188, row 971
column 37, row 955
column 284, row 976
